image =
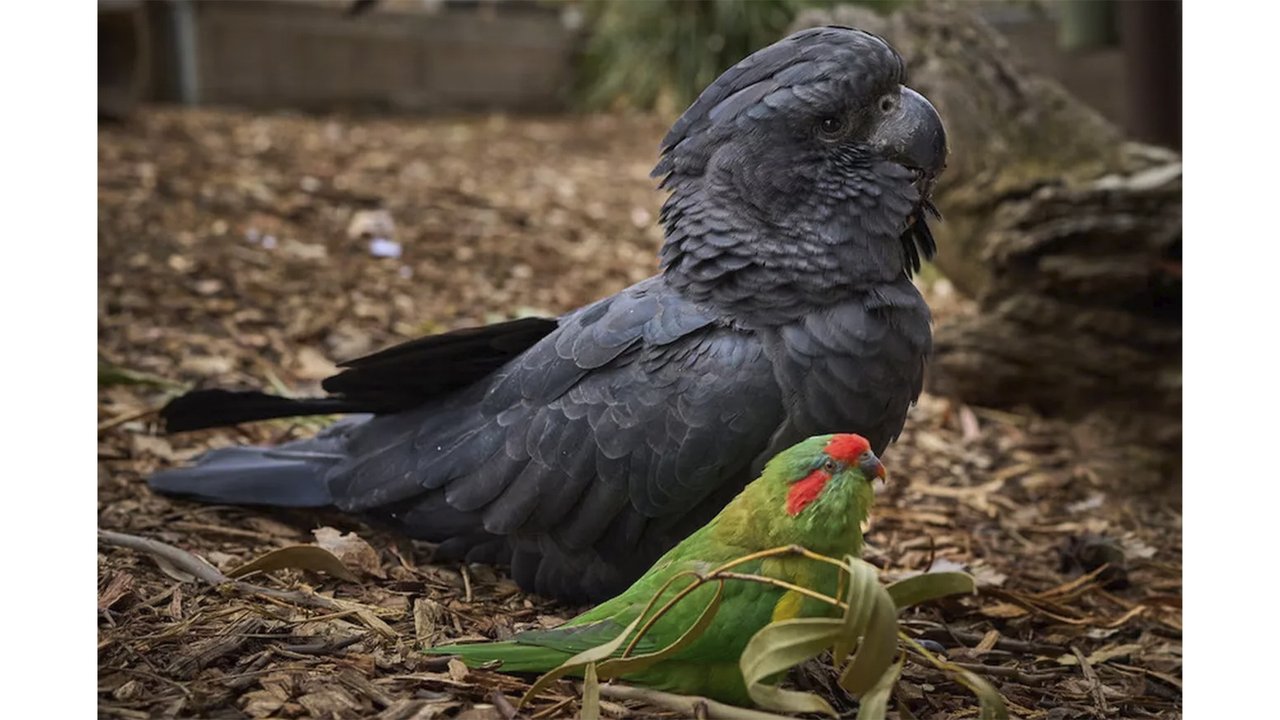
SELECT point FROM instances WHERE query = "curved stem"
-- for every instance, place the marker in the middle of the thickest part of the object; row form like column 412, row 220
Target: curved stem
column 774, row 552
column 697, row 583
column 722, row 572
column 784, row 585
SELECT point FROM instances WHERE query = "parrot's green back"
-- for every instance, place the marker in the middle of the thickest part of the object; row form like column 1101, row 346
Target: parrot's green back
column 790, row 503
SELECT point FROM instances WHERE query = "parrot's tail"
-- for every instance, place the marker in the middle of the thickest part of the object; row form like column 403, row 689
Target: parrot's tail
column 295, row 474
column 200, row 409
column 515, row 657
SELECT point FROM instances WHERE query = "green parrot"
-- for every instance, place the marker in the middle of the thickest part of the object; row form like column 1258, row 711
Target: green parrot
column 815, row 494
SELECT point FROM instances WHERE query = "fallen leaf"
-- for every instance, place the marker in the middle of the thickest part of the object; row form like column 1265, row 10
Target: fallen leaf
column 261, row 703
column 986, row 576
column 1004, row 610
column 427, row 616
column 988, row 642
column 371, row 223
column 941, row 565
column 1136, row 548
column 296, row 557
column 304, row 251
column 970, row 429
column 173, row 571
column 480, row 712
column 207, row 365
column 1102, row 655
column 152, row 445
column 175, row 604
column 311, row 365
column 352, row 550
column 121, row 584
column 273, row 527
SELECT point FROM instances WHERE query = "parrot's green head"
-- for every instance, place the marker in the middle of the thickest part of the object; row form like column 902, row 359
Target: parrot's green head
column 818, row 492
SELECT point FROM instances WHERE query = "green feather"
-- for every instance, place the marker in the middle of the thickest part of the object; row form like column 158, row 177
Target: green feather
column 755, row 520
column 515, row 656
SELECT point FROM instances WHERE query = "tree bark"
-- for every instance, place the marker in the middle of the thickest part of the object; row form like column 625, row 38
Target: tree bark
column 1067, row 236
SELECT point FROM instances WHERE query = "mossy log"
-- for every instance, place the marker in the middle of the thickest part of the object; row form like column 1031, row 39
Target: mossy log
column 1067, row 236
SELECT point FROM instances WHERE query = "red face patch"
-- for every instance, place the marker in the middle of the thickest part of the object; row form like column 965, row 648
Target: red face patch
column 806, row 491
column 846, row 448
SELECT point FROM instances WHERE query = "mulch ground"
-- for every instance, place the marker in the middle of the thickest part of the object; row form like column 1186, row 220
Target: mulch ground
column 248, row 250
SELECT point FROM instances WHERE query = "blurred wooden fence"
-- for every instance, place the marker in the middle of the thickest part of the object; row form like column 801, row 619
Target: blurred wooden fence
column 433, row 57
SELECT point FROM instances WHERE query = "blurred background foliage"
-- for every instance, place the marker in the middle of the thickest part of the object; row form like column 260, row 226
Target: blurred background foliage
column 659, row 54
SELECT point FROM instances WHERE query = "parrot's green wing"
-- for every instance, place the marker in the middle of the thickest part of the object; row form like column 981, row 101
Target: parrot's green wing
column 542, row 650
column 574, row 639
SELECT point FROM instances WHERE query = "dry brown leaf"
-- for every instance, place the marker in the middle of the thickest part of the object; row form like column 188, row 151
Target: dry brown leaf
column 1004, row 610
column 427, row 616
column 314, row 252
column 1112, row 652
column 481, row 712
column 330, row 702
column 121, row 584
column 311, row 365
column 173, row 571
column 970, row 429
column 208, row 365
column 458, row 670
column 273, row 527
column 986, row 576
column 263, row 703
column 296, row 557
column 175, row 604
column 371, row 223
column 352, row 550
column 152, row 445
column 988, row 641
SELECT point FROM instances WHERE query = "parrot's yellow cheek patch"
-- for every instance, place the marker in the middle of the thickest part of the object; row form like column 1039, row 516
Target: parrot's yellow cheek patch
column 788, row 607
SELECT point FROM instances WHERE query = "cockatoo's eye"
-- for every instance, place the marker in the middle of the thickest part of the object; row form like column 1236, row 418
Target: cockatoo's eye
column 833, row 127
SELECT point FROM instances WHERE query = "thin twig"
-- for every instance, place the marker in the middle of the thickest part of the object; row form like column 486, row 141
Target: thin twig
column 687, row 706
column 697, row 580
column 1091, row 677
column 764, row 579
column 223, row 530
column 119, row 420
column 939, row 632
column 1012, row 673
column 325, row 647
column 177, row 557
column 552, row 710
column 774, row 552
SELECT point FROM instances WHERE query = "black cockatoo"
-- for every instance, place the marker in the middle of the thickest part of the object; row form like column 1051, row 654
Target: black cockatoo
column 578, row 449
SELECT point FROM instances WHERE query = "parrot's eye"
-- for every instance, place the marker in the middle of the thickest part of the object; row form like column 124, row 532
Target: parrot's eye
column 888, row 103
column 832, row 126
column 830, row 466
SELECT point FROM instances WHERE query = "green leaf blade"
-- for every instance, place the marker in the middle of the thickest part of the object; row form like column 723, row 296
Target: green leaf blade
column 930, row 586
column 778, row 647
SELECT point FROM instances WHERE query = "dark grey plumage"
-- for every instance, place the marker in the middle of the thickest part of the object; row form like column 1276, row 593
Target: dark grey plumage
column 581, row 450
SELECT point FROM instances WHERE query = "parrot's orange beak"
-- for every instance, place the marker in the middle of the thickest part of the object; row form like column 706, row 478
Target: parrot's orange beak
column 881, row 472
